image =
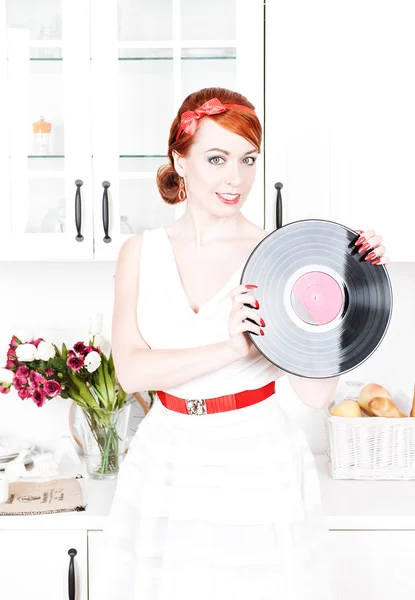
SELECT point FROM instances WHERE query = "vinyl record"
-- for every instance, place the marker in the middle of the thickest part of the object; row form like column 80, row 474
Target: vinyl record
column 326, row 309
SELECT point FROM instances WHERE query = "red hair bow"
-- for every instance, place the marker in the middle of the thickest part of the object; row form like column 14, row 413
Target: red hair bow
column 189, row 119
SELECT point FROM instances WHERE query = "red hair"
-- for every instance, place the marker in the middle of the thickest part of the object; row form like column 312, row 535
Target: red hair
column 242, row 122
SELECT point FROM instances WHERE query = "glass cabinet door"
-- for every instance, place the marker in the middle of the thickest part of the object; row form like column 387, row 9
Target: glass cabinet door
column 46, row 210
column 146, row 57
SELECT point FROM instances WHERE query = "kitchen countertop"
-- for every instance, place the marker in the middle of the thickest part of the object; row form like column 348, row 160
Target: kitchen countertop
column 348, row 504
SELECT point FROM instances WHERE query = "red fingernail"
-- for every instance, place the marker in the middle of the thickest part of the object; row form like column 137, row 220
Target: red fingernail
column 364, row 248
column 375, row 262
column 358, row 231
column 262, row 323
column 261, row 332
column 370, row 255
column 256, row 304
column 251, row 286
column 361, row 240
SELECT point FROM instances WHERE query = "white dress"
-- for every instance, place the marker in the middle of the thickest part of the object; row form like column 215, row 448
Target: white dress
column 213, row 507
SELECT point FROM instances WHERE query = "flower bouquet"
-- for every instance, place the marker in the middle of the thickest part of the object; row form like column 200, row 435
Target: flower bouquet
column 39, row 371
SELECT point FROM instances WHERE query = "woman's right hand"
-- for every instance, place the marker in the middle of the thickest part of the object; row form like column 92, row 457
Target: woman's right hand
column 238, row 325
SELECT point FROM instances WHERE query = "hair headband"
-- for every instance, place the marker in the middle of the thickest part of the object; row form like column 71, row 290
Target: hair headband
column 189, row 119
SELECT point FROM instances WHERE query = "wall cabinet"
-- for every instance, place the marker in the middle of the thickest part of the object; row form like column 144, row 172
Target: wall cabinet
column 339, row 115
column 37, row 565
column 92, row 87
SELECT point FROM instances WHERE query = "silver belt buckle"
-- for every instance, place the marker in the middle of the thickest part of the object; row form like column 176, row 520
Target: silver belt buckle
column 196, row 406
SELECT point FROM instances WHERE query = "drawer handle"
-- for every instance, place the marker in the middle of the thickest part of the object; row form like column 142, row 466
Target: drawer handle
column 105, row 211
column 78, row 210
column 278, row 212
column 71, row 574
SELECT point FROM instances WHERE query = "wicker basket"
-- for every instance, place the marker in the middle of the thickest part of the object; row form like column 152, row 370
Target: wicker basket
column 370, row 447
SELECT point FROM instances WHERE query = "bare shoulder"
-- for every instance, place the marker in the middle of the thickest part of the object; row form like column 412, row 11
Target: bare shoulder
column 256, row 233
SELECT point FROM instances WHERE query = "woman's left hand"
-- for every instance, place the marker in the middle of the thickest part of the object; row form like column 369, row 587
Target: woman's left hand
column 371, row 243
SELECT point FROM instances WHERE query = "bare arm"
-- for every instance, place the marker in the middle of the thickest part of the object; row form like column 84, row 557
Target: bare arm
column 315, row 393
column 138, row 367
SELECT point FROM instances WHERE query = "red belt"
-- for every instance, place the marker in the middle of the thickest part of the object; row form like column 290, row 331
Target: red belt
column 203, row 406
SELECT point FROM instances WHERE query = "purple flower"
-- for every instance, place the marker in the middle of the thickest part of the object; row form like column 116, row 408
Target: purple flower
column 75, row 363
column 23, row 371
column 79, row 347
column 39, row 397
column 35, row 379
column 52, row 388
column 19, row 383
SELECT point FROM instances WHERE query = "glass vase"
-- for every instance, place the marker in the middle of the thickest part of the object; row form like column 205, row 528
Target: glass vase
column 104, row 440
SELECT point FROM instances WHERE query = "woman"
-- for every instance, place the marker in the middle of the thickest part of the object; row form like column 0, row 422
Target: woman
column 226, row 505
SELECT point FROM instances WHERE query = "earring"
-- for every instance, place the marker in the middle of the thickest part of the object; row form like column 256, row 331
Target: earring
column 182, row 191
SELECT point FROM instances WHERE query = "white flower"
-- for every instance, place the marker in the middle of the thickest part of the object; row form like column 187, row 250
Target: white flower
column 92, row 361
column 98, row 340
column 26, row 352
column 45, row 351
column 6, row 376
column 95, row 324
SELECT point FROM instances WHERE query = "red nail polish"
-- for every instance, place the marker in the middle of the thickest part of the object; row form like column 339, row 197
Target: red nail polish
column 364, row 248
column 360, row 241
column 262, row 323
column 370, row 255
column 375, row 262
column 358, row 231
column 256, row 304
column 261, row 332
column 251, row 286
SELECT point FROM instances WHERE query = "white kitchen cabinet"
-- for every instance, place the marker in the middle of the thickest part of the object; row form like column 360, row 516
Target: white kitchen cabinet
column 94, row 541
column 36, row 564
column 339, row 115
column 109, row 75
column 373, row 564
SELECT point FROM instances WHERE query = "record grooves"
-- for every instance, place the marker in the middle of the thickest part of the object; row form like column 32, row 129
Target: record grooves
column 326, row 309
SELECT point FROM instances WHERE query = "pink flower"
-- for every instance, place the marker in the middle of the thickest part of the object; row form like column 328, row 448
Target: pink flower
column 52, row 388
column 75, row 362
column 79, row 347
column 35, row 379
column 19, row 383
column 36, row 342
column 71, row 353
column 23, row 371
column 39, row 397
column 10, row 364
column 22, row 393
column 89, row 349
column 11, row 354
column 49, row 371
column 13, row 342
column 5, row 390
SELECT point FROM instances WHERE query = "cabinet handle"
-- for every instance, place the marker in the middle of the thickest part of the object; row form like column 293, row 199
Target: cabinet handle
column 105, row 211
column 78, row 210
column 278, row 213
column 71, row 574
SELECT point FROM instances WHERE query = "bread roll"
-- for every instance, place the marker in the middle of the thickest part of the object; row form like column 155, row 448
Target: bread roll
column 369, row 391
column 385, row 407
column 347, row 408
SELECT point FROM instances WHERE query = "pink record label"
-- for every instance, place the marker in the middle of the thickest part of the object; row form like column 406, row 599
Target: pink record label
column 316, row 298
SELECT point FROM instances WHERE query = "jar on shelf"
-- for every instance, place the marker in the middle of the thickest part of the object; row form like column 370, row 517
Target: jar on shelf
column 41, row 132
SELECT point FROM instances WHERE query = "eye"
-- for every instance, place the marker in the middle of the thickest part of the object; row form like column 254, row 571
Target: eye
column 214, row 160
column 251, row 158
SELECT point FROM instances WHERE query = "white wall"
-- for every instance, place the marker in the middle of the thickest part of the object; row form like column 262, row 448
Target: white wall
column 55, row 300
